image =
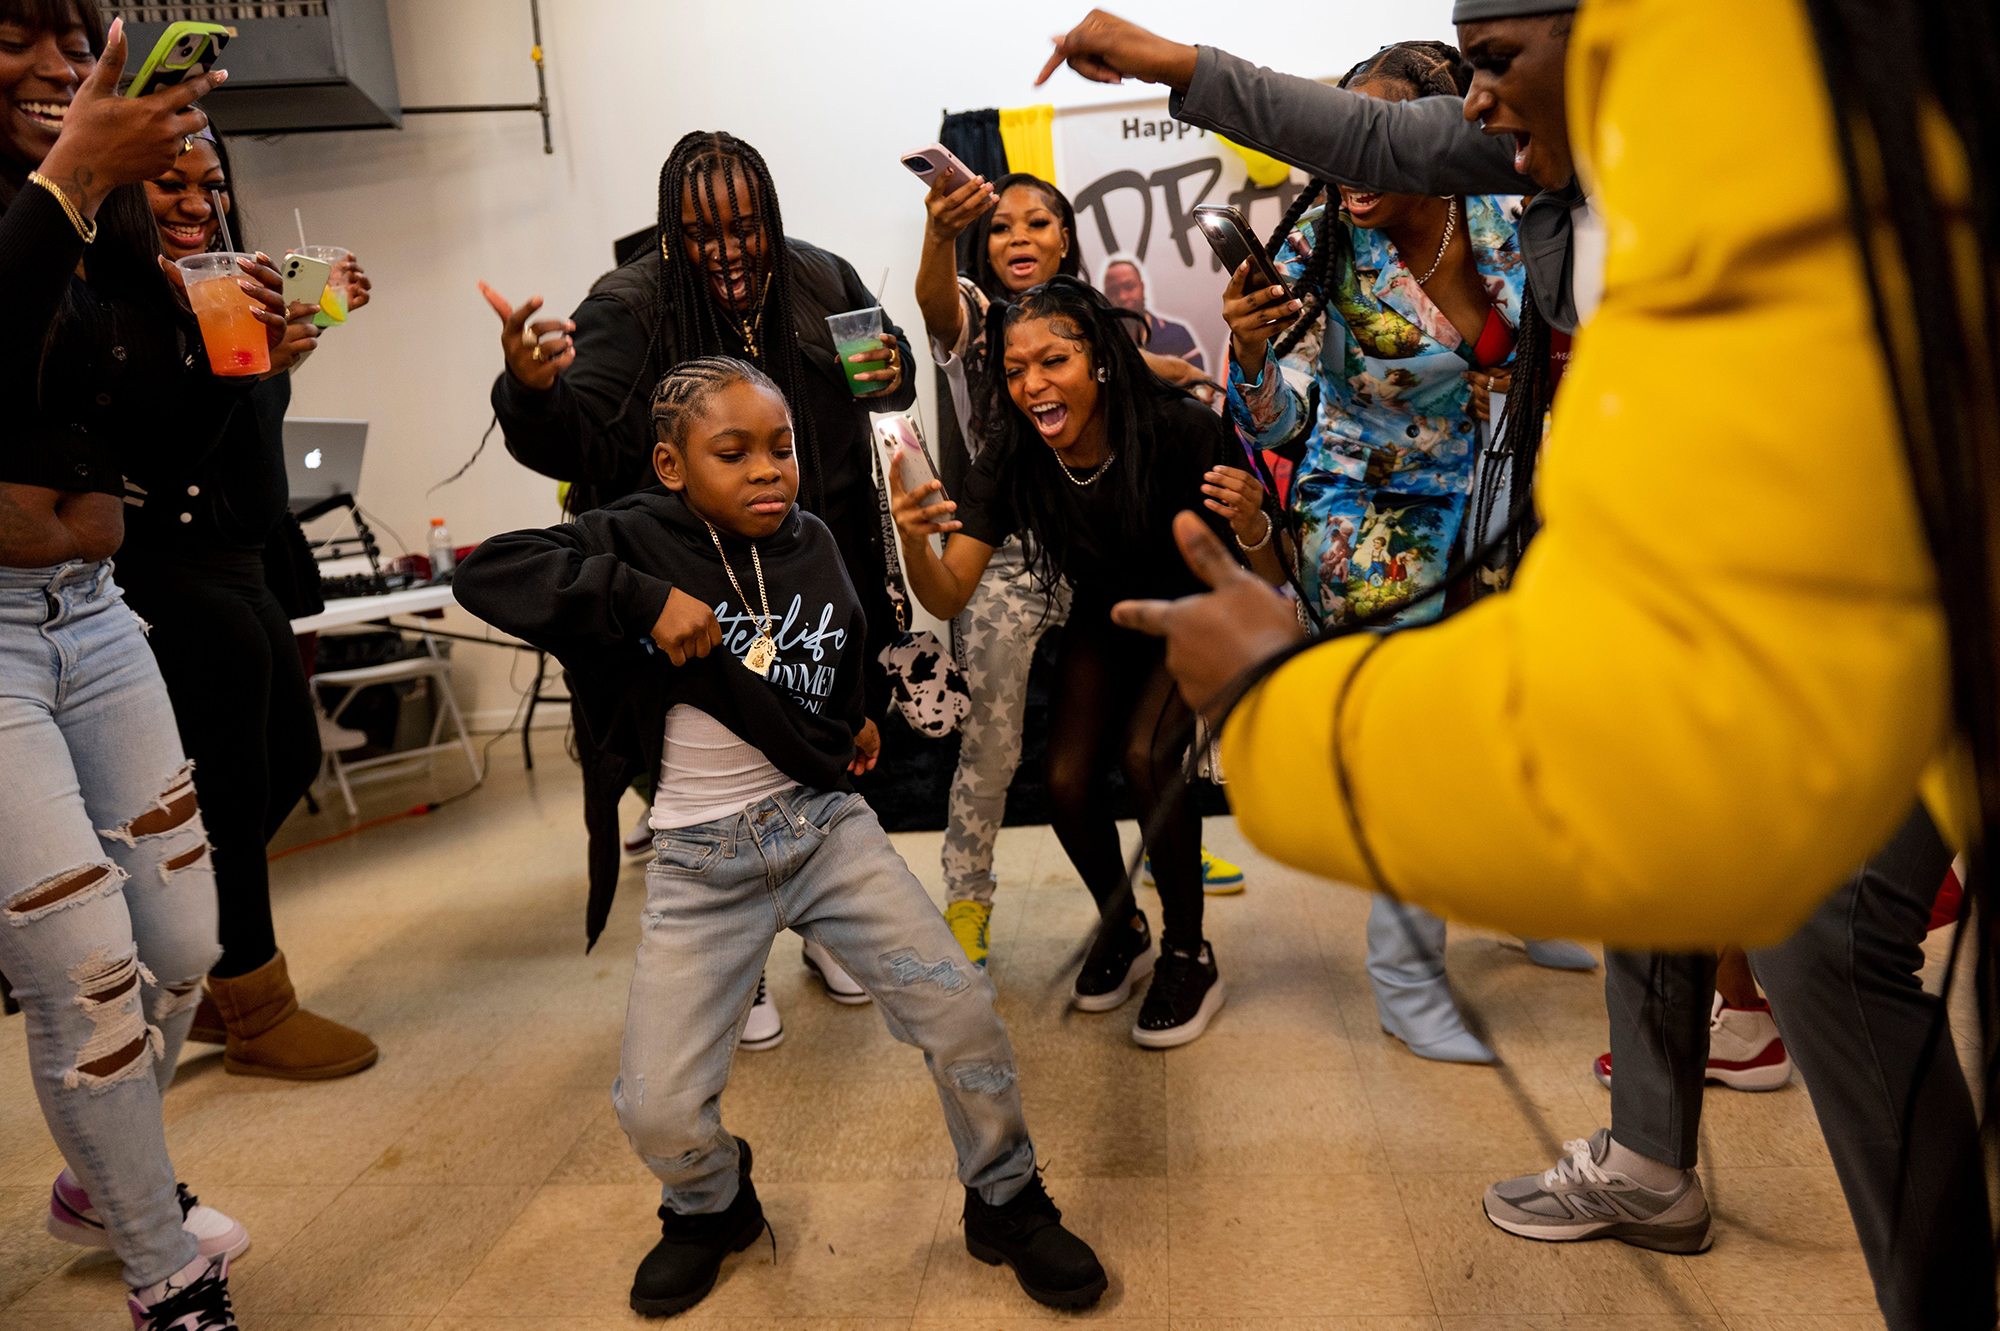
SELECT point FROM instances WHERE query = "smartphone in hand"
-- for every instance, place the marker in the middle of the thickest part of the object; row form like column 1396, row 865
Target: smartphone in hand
column 184, row 51
column 928, row 162
column 305, row 279
column 1229, row 235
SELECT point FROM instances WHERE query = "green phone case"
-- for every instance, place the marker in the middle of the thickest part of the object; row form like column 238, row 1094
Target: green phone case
column 181, row 48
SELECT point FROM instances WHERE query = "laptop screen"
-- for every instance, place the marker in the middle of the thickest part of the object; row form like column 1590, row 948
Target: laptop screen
column 322, row 458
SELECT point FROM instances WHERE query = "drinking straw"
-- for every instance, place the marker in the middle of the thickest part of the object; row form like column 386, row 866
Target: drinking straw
column 302, row 229
column 882, row 285
column 222, row 218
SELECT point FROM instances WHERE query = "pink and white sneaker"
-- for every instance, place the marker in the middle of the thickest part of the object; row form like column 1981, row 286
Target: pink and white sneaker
column 73, row 1220
column 194, row 1298
column 1745, row 1051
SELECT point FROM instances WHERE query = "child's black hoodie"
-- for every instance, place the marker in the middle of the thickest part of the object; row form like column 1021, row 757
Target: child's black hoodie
column 589, row 592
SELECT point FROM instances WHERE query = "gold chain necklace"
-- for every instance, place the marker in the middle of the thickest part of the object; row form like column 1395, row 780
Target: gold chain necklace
column 1450, row 226
column 1102, row 467
column 763, row 651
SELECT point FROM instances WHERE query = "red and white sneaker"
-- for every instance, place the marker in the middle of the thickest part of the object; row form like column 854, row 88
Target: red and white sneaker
column 1745, row 1052
column 73, row 1220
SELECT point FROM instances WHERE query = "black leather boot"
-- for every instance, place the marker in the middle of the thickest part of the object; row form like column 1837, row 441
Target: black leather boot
column 681, row 1269
column 1055, row 1266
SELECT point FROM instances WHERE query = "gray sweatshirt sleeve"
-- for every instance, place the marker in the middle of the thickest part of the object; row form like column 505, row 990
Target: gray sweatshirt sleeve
column 1420, row 147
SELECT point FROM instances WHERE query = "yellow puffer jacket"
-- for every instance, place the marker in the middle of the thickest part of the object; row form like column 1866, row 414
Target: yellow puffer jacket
column 1721, row 669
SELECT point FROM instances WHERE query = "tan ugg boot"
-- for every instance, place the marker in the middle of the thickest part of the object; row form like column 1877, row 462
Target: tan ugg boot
column 208, row 1027
column 270, row 1035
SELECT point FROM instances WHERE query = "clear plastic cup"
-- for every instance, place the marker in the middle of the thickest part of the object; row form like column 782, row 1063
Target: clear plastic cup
column 333, row 300
column 853, row 333
column 236, row 341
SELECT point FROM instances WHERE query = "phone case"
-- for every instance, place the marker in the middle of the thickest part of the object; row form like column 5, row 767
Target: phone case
column 183, row 51
column 927, row 162
column 305, row 278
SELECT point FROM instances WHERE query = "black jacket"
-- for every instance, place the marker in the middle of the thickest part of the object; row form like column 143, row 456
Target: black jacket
column 589, row 592
column 594, row 427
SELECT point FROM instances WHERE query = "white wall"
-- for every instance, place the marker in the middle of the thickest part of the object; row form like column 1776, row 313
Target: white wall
column 830, row 93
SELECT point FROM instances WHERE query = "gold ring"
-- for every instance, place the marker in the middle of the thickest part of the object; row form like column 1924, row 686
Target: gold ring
column 187, row 144
column 536, row 355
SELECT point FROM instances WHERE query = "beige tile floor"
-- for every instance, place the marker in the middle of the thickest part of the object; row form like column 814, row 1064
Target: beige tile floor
column 1294, row 1169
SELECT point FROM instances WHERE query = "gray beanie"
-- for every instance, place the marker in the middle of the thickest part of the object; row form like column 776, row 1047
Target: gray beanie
column 1473, row 11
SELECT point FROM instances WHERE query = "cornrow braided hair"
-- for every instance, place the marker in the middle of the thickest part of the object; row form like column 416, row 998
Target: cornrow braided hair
column 732, row 189
column 1428, row 69
column 684, row 391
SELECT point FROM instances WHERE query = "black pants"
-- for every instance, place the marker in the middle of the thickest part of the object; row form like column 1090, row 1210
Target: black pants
column 1115, row 703
column 1854, row 1017
column 855, row 520
column 240, row 697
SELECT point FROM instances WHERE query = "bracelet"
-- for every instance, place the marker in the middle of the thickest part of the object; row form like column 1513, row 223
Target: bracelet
column 1270, row 529
column 86, row 229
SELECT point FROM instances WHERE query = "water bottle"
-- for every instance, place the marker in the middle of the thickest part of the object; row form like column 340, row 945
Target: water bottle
column 441, row 551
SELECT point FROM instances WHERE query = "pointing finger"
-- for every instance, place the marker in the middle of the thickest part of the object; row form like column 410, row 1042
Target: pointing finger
column 1145, row 616
column 1205, row 555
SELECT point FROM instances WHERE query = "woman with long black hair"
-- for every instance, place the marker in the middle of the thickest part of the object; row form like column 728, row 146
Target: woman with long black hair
column 1017, row 233
column 1090, row 454
column 723, row 278
column 196, row 533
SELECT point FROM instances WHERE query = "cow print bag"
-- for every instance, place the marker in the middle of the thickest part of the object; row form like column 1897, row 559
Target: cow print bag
column 930, row 691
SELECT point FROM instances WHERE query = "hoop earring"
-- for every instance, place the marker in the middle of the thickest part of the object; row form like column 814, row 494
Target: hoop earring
column 1103, row 373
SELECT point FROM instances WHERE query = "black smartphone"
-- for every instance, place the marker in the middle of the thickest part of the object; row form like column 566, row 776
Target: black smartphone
column 1230, row 236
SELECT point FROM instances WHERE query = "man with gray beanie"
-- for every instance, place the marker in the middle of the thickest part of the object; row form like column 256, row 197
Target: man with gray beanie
column 1896, row 1114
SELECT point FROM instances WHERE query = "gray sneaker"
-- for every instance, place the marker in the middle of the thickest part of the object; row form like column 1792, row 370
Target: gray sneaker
column 1581, row 1199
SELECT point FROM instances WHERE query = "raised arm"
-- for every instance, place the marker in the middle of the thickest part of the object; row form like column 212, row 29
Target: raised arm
column 951, row 206
column 1421, row 147
column 575, row 415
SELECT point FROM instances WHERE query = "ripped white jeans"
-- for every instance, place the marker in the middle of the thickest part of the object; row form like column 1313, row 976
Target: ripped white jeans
column 816, row 862
column 107, row 900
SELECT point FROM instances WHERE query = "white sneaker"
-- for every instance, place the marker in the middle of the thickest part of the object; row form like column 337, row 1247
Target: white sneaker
column 840, row 986
column 763, row 1029
column 194, row 1298
column 1745, row 1051
column 639, row 841
column 74, row 1220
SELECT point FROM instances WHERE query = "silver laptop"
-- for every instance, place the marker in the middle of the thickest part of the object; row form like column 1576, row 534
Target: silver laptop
column 323, row 458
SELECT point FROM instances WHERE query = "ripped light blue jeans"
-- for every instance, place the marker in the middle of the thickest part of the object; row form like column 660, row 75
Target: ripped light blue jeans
column 107, row 900
column 816, row 862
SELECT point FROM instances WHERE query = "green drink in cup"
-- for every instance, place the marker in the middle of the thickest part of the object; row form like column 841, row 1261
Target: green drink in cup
column 854, row 333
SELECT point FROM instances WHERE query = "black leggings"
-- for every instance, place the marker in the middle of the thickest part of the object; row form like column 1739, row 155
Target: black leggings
column 246, row 719
column 1115, row 702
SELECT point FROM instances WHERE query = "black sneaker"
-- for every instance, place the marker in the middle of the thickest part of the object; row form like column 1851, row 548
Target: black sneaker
column 1055, row 1266
column 1186, row 992
column 681, row 1269
column 1118, row 961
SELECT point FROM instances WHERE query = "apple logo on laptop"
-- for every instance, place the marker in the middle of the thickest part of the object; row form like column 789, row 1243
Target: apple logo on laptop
column 312, row 460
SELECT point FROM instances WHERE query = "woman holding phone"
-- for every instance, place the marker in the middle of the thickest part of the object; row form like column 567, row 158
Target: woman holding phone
column 106, row 889
column 1089, row 455
column 1420, row 297
column 1022, row 234
column 193, row 567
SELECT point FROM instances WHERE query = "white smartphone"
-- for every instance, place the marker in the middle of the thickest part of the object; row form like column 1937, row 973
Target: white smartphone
column 928, row 162
column 898, row 434
column 305, row 279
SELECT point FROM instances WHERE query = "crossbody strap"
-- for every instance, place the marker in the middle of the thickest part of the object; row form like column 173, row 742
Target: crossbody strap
column 891, row 554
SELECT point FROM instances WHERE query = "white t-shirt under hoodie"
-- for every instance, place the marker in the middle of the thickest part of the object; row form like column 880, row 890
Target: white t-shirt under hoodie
column 708, row 772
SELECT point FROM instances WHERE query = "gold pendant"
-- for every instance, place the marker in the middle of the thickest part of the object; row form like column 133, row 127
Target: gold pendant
column 762, row 655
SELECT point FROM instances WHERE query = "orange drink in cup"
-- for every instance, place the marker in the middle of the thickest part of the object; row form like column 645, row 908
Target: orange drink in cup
column 237, row 343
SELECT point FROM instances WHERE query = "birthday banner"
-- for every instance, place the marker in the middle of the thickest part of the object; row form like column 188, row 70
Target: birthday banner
column 1135, row 176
